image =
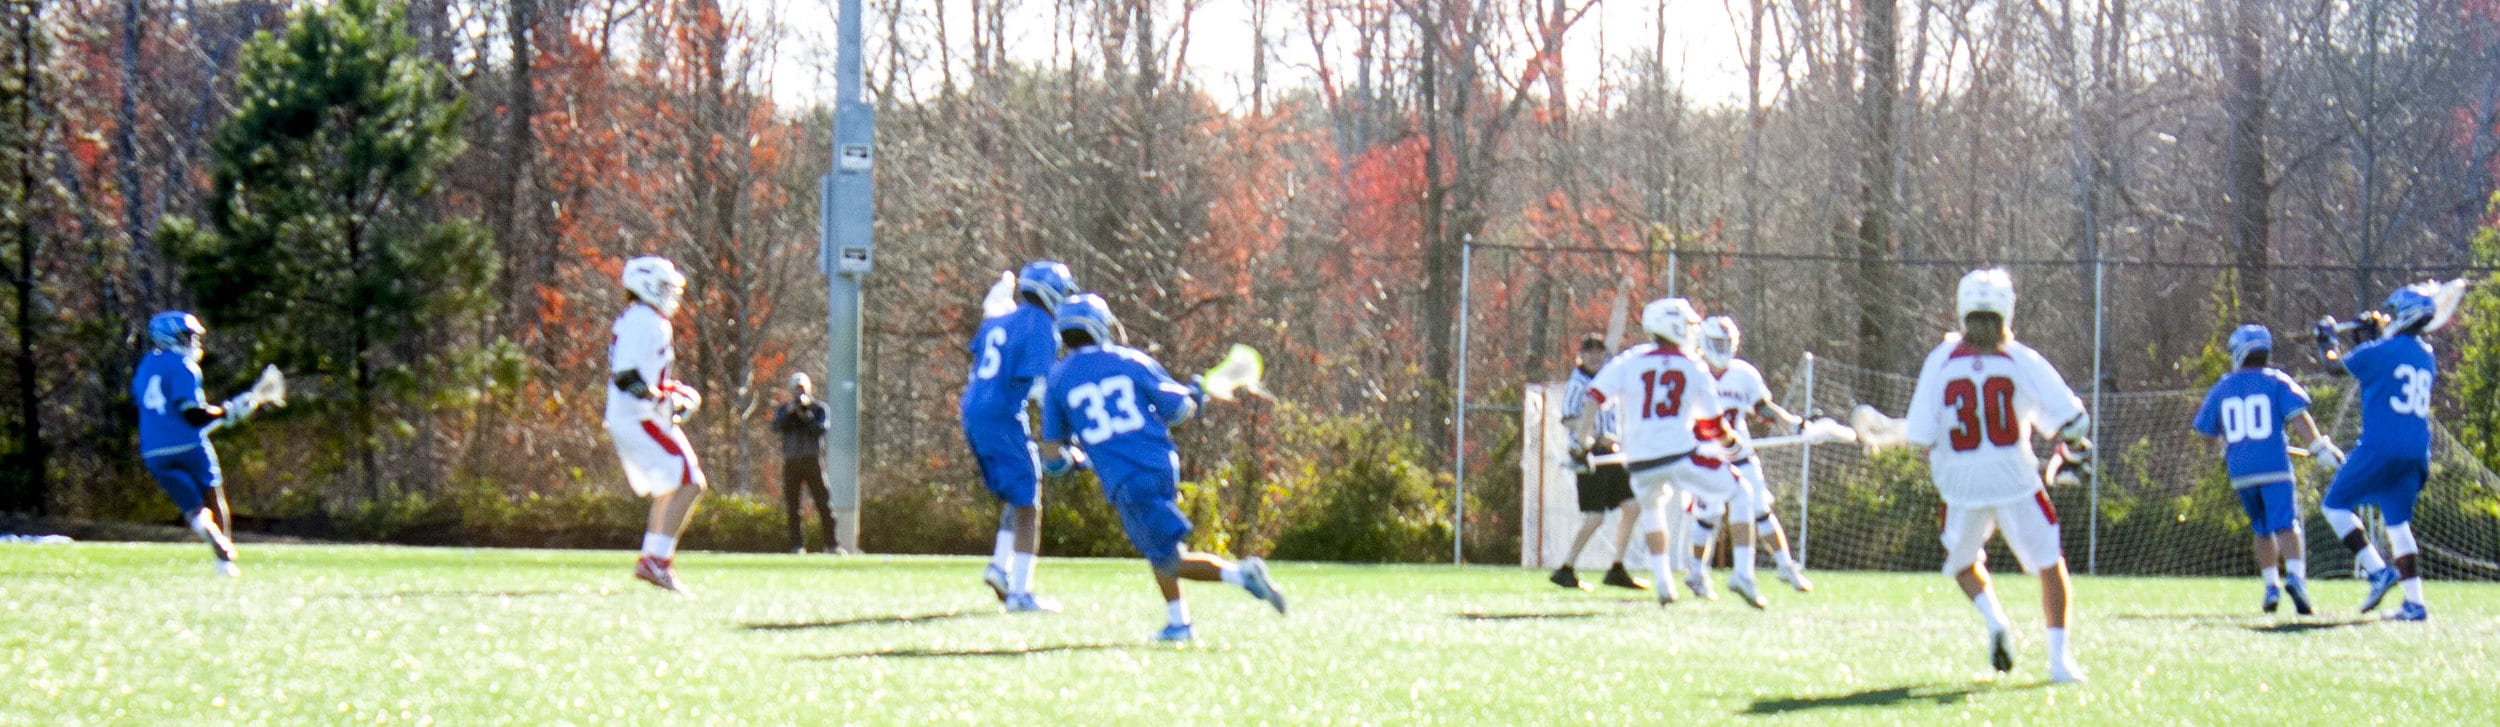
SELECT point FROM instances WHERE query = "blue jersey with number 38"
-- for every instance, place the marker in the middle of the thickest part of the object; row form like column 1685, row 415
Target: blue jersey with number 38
column 1115, row 402
column 166, row 383
column 2395, row 375
column 2247, row 410
column 1009, row 354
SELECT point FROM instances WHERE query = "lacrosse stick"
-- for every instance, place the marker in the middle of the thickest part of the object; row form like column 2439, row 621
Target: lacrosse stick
column 1815, row 431
column 1241, row 370
column 1876, row 430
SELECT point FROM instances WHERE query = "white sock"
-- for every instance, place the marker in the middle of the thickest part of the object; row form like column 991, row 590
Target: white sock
column 1020, row 578
column 2413, row 590
column 659, row 546
column 2344, row 521
column 2296, row 568
column 1658, row 570
column 1231, row 575
column 1986, row 601
column 1744, row 561
column 204, row 525
column 1176, row 612
column 2274, row 576
column 1005, row 552
column 2057, row 645
column 1785, row 560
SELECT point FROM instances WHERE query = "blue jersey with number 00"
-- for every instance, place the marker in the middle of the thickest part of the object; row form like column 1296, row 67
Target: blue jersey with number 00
column 166, row 383
column 2248, row 409
column 1115, row 402
column 1009, row 353
column 2396, row 375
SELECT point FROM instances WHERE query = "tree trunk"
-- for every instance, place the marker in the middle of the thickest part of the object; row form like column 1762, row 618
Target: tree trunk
column 1877, row 298
column 2245, row 189
column 32, row 486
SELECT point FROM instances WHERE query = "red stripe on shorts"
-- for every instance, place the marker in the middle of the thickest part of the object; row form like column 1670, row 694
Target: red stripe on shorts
column 2042, row 497
column 667, row 443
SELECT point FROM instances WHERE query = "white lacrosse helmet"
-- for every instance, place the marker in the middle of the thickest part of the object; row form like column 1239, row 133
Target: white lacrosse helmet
column 1672, row 319
column 1718, row 341
column 1985, row 291
column 655, row 280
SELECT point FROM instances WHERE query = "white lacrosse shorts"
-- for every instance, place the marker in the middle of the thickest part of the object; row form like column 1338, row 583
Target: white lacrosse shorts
column 2029, row 524
column 657, row 458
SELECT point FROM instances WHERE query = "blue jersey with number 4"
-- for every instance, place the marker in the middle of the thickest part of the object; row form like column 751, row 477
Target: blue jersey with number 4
column 1009, row 354
column 2247, row 410
column 166, row 383
column 2395, row 375
column 1115, row 402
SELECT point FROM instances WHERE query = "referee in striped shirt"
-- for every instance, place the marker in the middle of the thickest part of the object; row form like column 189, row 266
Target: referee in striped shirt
column 1603, row 482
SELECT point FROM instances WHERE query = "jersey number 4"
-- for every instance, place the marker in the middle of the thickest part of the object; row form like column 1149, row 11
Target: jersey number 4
column 1110, row 407
column 1662, row 394
column 155, row 400
column 1984, row 409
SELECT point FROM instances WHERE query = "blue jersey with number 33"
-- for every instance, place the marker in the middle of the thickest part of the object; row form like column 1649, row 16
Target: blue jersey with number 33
column 1009, row 353
column 1114, row 402
column 2247, row 410
column 2396, row 375
column 166, row 383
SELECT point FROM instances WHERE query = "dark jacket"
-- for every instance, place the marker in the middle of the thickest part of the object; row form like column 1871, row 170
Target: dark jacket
column 802, row 428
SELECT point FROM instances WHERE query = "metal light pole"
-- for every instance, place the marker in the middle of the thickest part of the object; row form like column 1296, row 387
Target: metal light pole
column 847, row 235
column 1458, row 408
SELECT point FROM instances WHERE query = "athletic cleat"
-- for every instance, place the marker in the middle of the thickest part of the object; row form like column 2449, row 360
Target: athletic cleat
column 996, row 578
column 1029, row 603
column 1175, row 634
column 1620, row 578
column 2274, row 597
column 1666, row 597
column 228, row 569
column 1567, row 578
column 1752, row 594
column 2381, row 582
column 2064, row 671
column 2000, row 651
column 2298, row 589
column 1254, row 579
column 2411, row 612
column 1795, row 578
column 1700, row 585
column 659, row 572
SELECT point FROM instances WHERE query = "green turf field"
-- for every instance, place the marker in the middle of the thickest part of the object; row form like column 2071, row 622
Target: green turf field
column 117, row 633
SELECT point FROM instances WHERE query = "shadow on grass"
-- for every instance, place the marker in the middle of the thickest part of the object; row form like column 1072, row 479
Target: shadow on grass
column 907, row 618
column 2302, row 627
column 1922, row 693
column 948, row 653
column 1528, row 615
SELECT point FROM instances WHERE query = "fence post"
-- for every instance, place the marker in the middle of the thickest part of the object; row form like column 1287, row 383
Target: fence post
column 1458, row 409
column 1805, row 473
column 2092, row 557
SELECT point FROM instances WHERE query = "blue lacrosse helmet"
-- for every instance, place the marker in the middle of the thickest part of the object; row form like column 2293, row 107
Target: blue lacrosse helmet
column 1088, row 313
column 2249, row 339
column 175, row 330
column 1046, row 280
column 2410, row 308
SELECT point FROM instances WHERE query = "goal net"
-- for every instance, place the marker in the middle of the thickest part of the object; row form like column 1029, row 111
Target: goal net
column 2161, row 504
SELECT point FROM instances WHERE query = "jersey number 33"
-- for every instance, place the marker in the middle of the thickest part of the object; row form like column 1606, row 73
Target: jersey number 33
column 1110, row 408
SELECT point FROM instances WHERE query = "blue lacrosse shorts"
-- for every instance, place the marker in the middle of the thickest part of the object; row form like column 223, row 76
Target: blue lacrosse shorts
column 186, row 476
column 2270, row 508
column 2369, row 477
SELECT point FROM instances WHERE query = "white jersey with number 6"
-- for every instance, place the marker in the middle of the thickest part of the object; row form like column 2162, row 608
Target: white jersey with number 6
column 1658, row 395
column 1976, row 411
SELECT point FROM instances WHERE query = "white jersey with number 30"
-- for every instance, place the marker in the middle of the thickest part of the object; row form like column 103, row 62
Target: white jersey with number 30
column 1657, row 394
column 1975, row 411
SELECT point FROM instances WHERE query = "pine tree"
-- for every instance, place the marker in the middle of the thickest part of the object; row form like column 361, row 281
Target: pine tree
column 2478, row 349
column 321, row 250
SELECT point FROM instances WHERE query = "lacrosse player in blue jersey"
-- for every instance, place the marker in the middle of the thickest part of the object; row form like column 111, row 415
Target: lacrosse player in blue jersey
column 175, row 419
column 1010, row 353
column 2395, row 370
column 2251, row 409
column 1117, row 404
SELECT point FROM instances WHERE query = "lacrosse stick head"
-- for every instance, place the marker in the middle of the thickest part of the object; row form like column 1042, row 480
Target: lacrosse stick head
column 1241, row 370
column 270, row 390
column 1821, row 430
column 1877, row 430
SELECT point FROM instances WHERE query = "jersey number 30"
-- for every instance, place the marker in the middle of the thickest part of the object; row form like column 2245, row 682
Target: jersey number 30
column 1099, row 400
column 1982, row 409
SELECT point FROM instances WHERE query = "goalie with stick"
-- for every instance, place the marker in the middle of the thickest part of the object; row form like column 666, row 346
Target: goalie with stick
column 175, row 419
column 1980, row 398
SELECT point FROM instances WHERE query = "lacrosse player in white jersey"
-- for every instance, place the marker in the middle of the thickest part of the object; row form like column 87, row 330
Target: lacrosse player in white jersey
column 1675, row 431
column 1980, row 399
column 646, row 404
column 1743, row 391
